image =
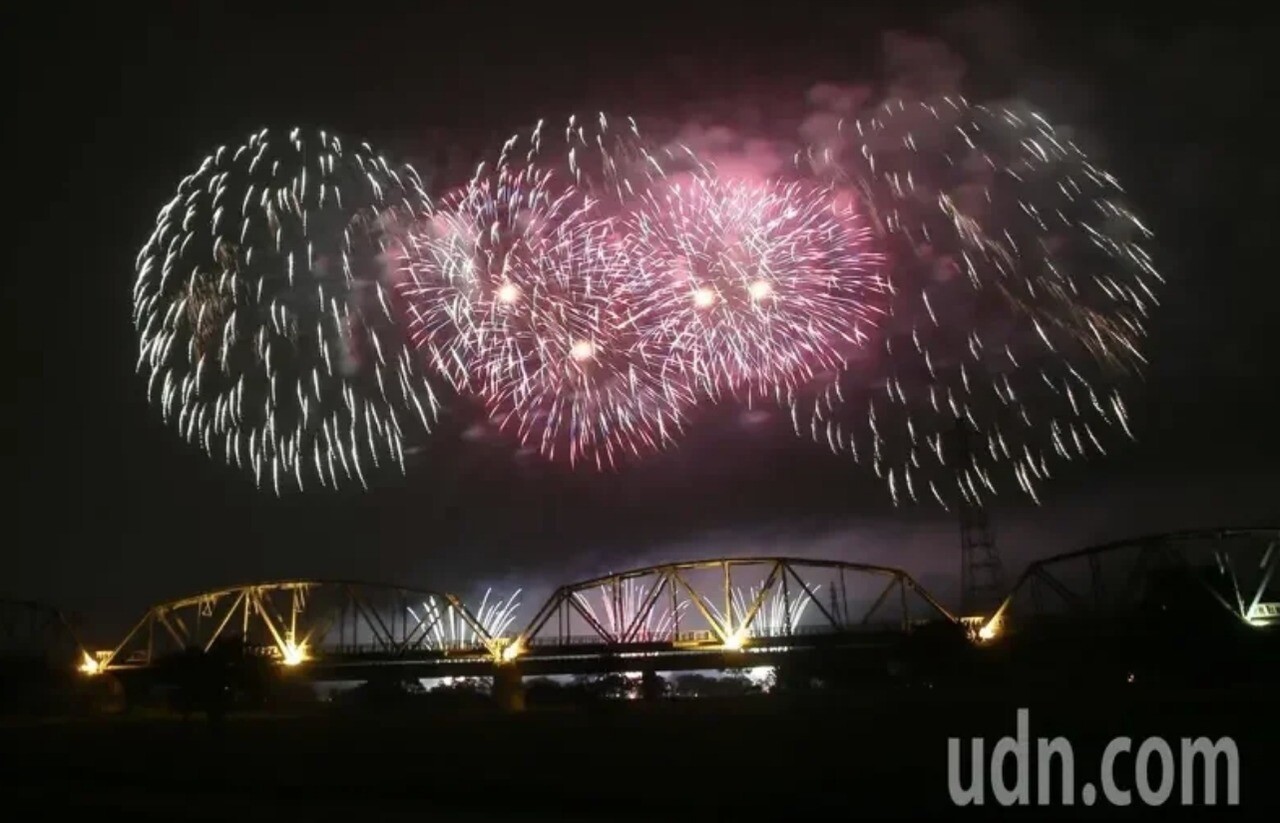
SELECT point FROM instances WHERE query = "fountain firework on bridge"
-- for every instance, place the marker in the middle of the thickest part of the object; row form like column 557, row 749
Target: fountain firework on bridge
column 449, row 629
column 779, row 614
column 624, row 610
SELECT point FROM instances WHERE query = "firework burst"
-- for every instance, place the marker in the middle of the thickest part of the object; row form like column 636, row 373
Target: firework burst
column 942, row 268
column 518, row 290
column 472, row 265
column 574, row 373
column 1020, row 296
column 264, row 318
column 753, row 287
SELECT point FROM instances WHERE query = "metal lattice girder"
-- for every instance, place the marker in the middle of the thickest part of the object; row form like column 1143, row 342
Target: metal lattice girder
column 1233, row 567
column 292, row 620
column 724, row 601
column 32, row 629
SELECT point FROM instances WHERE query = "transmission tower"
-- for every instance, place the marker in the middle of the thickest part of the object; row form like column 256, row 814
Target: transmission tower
column 981, row 573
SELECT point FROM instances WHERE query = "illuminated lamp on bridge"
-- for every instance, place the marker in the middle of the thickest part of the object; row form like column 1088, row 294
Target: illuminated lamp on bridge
column 293, row 654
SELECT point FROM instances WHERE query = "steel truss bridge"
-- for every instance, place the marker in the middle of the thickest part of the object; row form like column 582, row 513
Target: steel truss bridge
column 29, row 629
column 702, row 614
column 1231, row 571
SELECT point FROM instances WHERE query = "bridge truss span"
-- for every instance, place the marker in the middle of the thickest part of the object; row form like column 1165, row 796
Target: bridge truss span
column 33, row 630
column 1224, row 572
column 293, row 621
column 728, row 604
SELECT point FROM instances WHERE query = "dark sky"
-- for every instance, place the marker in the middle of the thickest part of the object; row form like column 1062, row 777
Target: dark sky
column 114, row 512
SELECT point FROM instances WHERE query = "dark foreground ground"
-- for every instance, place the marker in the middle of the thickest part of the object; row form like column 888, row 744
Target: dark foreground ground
column 754, row 758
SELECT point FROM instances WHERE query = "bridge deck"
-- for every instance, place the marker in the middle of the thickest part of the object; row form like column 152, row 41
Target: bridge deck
column 585, row 658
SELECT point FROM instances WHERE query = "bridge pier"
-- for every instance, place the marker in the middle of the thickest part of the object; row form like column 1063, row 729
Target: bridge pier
column 508, row 688
column 652, row 686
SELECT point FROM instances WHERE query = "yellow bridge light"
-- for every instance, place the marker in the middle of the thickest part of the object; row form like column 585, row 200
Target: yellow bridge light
column 293, row 654
column 511, row 651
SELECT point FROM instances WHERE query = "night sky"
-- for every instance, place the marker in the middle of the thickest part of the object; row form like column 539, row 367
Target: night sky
column 115, row 512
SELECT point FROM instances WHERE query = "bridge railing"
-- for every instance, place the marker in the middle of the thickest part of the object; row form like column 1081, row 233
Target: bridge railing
column 708, row 637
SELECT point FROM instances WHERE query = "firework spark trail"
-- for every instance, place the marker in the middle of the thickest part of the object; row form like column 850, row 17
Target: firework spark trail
column 464, row 268
column 779, row 614
column 578, row 375
column 519, row 290
column 449, row 630
column 750, row 286
column 1020, row 295
column 263, row 317
column 496, row 617
column 621, row 606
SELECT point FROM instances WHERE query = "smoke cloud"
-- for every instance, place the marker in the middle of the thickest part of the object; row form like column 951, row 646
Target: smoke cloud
column 979, row 53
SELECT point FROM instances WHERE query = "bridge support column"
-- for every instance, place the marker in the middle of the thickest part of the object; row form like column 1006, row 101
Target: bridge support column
column 652, row 686
column 508, row 688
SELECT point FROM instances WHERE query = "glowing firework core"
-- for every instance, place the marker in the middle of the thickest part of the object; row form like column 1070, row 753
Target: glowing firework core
column 508, row 293
column 582, row 350
column 739, row 244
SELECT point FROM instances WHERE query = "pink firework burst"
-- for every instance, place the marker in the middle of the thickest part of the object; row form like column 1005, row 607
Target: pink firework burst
column 753, row 287
column 519, row 291
column 461, row 276
column 567, row 367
